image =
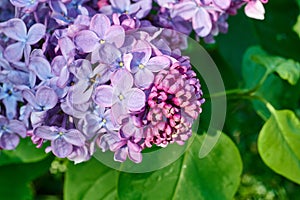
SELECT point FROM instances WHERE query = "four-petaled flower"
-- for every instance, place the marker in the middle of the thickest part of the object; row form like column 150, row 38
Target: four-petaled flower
column 10, row 131
column 16, row 30
column 143, row 66
column 120, row 96
column 63, row 141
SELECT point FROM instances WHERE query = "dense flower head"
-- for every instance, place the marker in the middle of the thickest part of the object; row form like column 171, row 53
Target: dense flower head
column 78, row 75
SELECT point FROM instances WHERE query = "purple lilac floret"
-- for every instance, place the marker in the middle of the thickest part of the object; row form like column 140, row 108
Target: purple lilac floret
column 80, row 75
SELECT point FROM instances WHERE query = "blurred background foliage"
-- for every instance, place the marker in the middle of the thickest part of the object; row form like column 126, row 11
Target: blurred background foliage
column 233, row 170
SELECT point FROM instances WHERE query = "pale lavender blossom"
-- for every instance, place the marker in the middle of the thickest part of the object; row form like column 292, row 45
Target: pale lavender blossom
column 120, row 96
column 44, row 99
column 100, row 32
column 143, row 66
column 16, row 30
column 63, row 142
column 10, row 133
column 197, row 12
column 10, row 96
column 122, row 147
column 139, row 9
column 27, row 5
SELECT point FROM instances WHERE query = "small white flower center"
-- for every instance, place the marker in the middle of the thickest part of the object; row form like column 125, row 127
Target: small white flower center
column 102, row 41
column 141, row 66
column 121, row 97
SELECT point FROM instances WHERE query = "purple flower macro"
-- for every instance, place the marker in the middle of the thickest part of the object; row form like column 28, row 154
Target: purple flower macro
column 63, row 142
column 10, row 96
column 99, row 121
column 44, row 99
column 27, row 5
column 122, row 147
column 143, row 66
column 139, row 9
column 16, row 30
column 10, row 131
column 120, row 96
column 100, row 32
column 197, row 12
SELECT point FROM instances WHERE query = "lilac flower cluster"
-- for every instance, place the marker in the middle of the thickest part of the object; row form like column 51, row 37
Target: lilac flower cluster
column 77, row 75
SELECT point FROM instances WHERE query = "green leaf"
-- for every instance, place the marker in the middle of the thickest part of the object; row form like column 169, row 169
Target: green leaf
column 279, row 142
column 296, row 27
column 26, row 152
column 90, row 180
column 15, row 179
column 216, row 176
column 289, row 70
column 257, row 73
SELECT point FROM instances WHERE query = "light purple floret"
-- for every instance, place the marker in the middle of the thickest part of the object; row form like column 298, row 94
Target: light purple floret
column 63, row 142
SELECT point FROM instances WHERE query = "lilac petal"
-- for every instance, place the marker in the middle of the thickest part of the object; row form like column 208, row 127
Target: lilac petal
column 121, row 154
column 74, row 137
column 158, row 63
column 57, row 64
column 46, row 133
column 115, row 35
column 185, row 10
column 58, row 7
column 30, row 98
column 223, row 4
column 202, row 22
column 122, row 80
column 109, row 54
column 87, row 41
column 83, row 71
column 93, row 125
column 255, row 10
column 128, row 130
column 134, row 152
column 143, row 78
column 100, row 24
column 127, row 58
column 80, row 93
column 41, row 67
column 104, row 96
column 63, row 77
column 17, row 127
column 38, row 118
column 19, row 3
column 107, row 141
column 15, row 29
column 67, row 48
column 61, row 148
column 122, row 5
column 36, row 33
column 135, row 99
column 11, row 107
column 46, row 97
column 144, row 50
column 14, row 52
column 9, row 141
column 80, row 154
column 119, row 111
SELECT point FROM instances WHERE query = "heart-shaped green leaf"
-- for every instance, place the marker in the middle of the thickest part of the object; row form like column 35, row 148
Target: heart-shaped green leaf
column 279, row 142
column 216, row 176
